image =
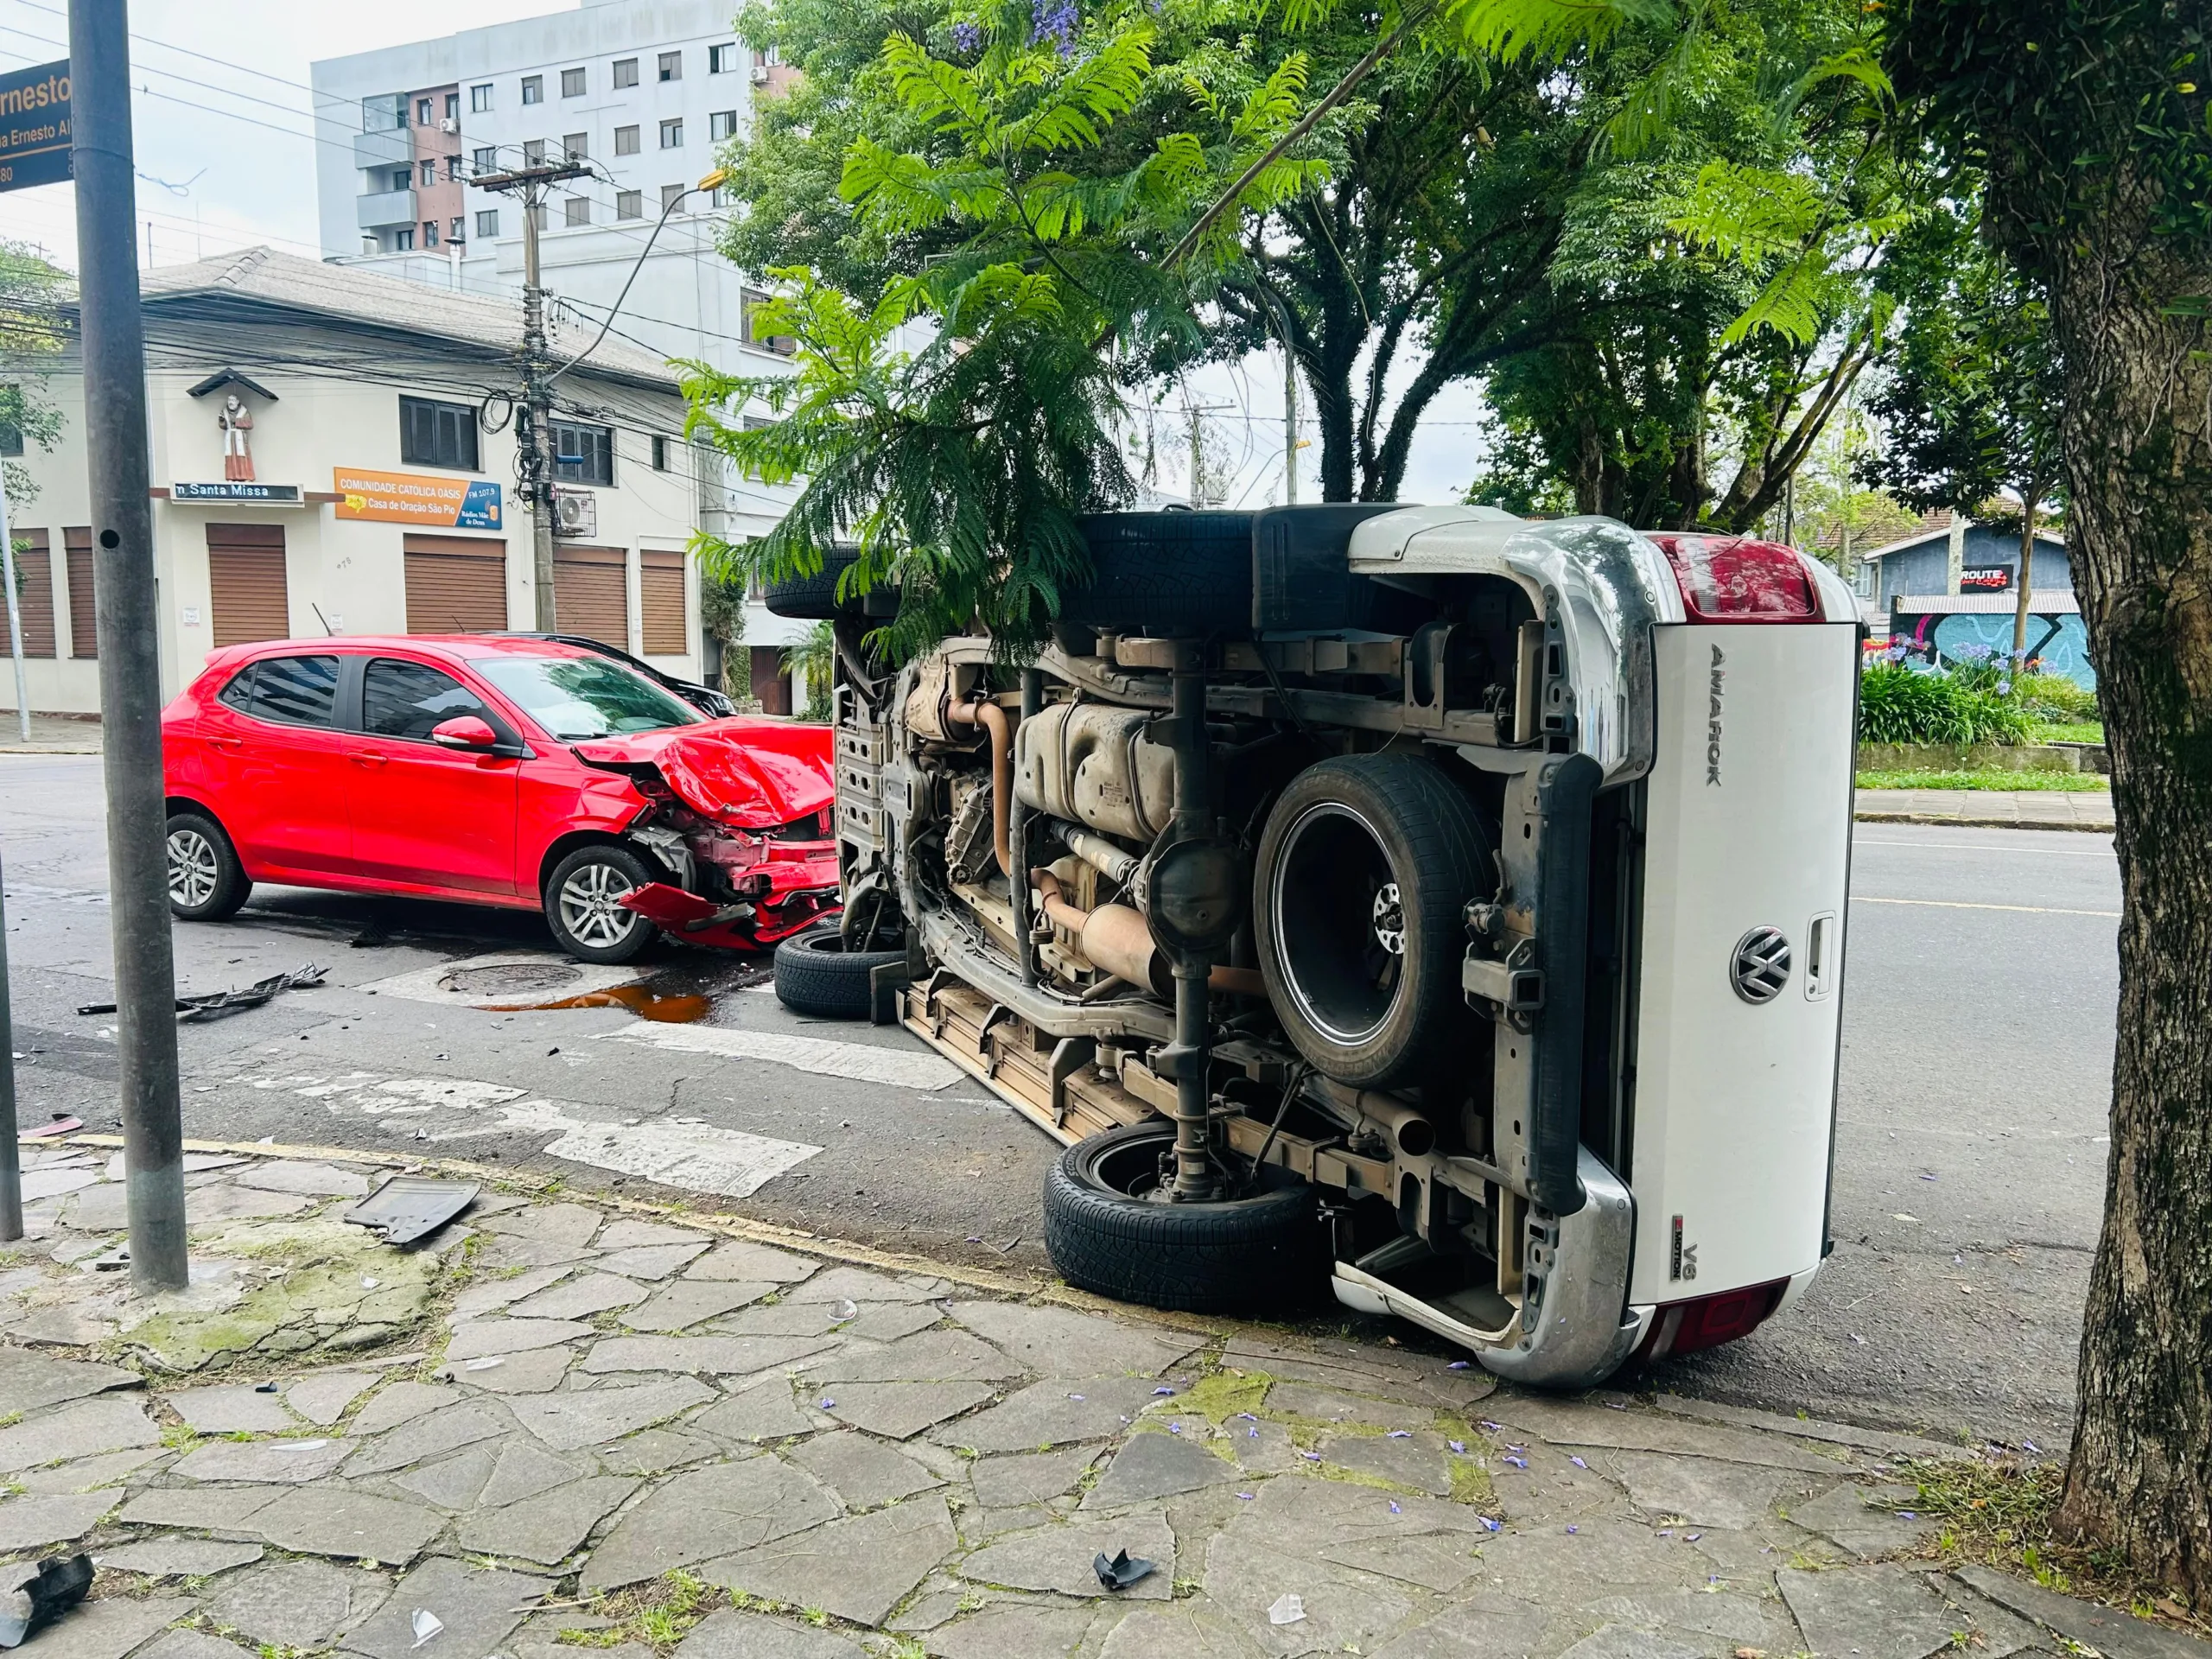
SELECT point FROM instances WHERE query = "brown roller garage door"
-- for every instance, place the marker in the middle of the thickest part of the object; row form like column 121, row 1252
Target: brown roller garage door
column 456, row 584
column 84, row 620
column 34, row 595
column 591, row 593
column 660, row 603
column 246, row 584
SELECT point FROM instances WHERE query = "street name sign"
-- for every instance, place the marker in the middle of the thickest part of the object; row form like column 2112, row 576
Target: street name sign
column 35, row 128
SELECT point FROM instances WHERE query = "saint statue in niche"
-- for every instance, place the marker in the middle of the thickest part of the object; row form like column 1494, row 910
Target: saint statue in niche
column 236, row 421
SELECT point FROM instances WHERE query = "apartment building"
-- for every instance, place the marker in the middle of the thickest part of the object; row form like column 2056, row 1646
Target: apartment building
column 645, row 91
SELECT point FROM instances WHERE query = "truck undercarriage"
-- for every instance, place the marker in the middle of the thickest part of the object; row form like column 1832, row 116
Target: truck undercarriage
column 1299, row 888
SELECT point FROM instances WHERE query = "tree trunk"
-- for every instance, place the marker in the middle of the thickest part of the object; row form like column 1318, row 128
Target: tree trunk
column 2137, row 443
column 2027, row 564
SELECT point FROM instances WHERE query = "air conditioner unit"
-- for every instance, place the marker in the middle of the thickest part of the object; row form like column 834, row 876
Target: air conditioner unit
column 759, row 74
column 575, row 512
column 450, row 124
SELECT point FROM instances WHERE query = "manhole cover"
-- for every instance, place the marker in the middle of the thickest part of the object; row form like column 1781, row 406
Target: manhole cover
column 511, row 978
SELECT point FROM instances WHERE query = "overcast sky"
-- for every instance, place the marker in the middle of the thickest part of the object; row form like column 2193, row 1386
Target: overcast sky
column 226, row 161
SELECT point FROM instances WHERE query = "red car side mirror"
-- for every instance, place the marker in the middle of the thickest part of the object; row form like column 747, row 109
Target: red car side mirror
column 464, row 732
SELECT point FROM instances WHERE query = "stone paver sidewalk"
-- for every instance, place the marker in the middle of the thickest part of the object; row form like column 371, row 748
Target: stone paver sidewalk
column 2010, row 809
column 568, row 1426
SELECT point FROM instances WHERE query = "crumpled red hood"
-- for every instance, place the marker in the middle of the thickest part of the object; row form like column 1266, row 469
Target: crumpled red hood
column 748, row 773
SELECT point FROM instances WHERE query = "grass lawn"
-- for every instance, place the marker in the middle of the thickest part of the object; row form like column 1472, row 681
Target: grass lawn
column 2072, row 782
column 2073, row 731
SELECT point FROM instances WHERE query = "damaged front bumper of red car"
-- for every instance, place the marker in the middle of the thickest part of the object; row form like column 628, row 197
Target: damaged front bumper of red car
column 738, row 813
column 800, row 892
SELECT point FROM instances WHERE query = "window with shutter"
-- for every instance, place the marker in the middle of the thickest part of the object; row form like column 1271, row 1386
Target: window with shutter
column 84, row 621
column 246, row 593
column 591, row 593
column 34, row 595
column 456, row 584
column 660, row 603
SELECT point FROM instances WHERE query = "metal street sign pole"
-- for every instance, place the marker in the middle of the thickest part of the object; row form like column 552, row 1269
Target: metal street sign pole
column 11, row 1159
column 15, row 611
column 130, row 693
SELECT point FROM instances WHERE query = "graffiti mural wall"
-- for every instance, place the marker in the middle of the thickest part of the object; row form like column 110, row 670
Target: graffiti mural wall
column 2059, row 645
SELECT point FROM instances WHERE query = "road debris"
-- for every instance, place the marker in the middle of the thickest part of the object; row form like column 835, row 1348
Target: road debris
column 59, row 1584
column 406, row 1208
column 1122, row 1571
column 1288, row 1609
column 213, row 1005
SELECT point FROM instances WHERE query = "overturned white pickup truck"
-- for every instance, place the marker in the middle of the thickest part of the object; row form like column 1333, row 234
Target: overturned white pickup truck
column 1443, row 905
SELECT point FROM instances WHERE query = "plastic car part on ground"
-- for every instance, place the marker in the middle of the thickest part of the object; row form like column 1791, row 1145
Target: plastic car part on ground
column 213, row 1005
column 741, row 926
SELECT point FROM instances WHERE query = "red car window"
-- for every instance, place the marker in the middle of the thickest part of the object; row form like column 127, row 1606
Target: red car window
column 295, row 690
column 404, row 699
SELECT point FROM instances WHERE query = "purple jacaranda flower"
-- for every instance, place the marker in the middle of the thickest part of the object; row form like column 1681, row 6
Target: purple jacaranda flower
column 967, row 37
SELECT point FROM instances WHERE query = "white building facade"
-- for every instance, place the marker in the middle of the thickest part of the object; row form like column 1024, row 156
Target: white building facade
column 379, row 454
column 646, row 92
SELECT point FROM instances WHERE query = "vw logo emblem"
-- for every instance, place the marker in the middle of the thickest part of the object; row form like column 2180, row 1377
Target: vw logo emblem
column 1760, row 967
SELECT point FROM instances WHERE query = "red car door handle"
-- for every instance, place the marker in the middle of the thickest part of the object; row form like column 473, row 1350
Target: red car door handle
column 367, row 758
column 228, row 743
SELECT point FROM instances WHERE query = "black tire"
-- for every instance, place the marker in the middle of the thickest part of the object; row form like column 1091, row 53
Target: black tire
column 814, row 599
column 815, row 975
column 1250, row 1254
column 579, row 907
column 206, row 881
column 1343, row 838
column 1166, row 572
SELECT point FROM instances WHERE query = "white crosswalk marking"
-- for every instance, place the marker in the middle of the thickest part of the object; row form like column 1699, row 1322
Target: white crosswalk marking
column 900, row 1068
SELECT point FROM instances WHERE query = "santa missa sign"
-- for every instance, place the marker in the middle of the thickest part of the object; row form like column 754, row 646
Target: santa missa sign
column 34, row 126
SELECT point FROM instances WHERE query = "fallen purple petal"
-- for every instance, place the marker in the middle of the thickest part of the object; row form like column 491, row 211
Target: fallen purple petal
column 1459, row 1447
column 1456, row 1366
column 1399, row 1434
column 1395, row 1510
column 1578, row 1463
column 1488, row 1525
column 1163, row 1391
column 1075, row 1396
column 1251, row 1433
column 1489, row 1426
column 1692, row 1537
column 827, row 1403
column 1244, row 1498
column 1174, row 1429
column 1572, row 1528
column 1311, row 1457
column 1518, row 1463
column 1248, row 1417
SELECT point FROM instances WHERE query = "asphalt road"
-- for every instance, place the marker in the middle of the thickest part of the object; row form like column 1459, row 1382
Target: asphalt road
column 1981, row 980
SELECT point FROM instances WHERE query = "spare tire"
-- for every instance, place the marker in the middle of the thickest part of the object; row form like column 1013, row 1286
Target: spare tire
column 1164, row 573
column 814, row 598
column 1364, row 871
column 1266, row 1251
column 815, row 975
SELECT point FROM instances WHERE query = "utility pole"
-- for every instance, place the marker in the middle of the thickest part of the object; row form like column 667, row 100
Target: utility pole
column 1289, row 426
column 531, row 185
column 114, row 351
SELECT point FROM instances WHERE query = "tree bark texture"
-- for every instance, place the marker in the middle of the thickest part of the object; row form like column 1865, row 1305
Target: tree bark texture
column 2138, row 442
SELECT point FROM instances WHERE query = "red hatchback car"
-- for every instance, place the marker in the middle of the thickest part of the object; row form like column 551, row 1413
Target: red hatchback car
column 520, row 773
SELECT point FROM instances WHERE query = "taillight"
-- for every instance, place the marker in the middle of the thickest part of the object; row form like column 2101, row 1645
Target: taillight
column 1709, row 1321
column 1735, row 579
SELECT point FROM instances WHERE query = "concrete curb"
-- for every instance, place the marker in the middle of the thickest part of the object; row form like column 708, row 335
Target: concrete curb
column 1982, row 822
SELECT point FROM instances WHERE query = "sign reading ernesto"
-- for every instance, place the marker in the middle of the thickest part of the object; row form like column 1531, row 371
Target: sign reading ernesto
column 420, row 499
column 34, row 126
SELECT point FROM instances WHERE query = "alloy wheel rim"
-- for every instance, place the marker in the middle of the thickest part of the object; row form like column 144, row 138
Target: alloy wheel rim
column 590, row 902
column 194, row 872
column 1339, row 923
